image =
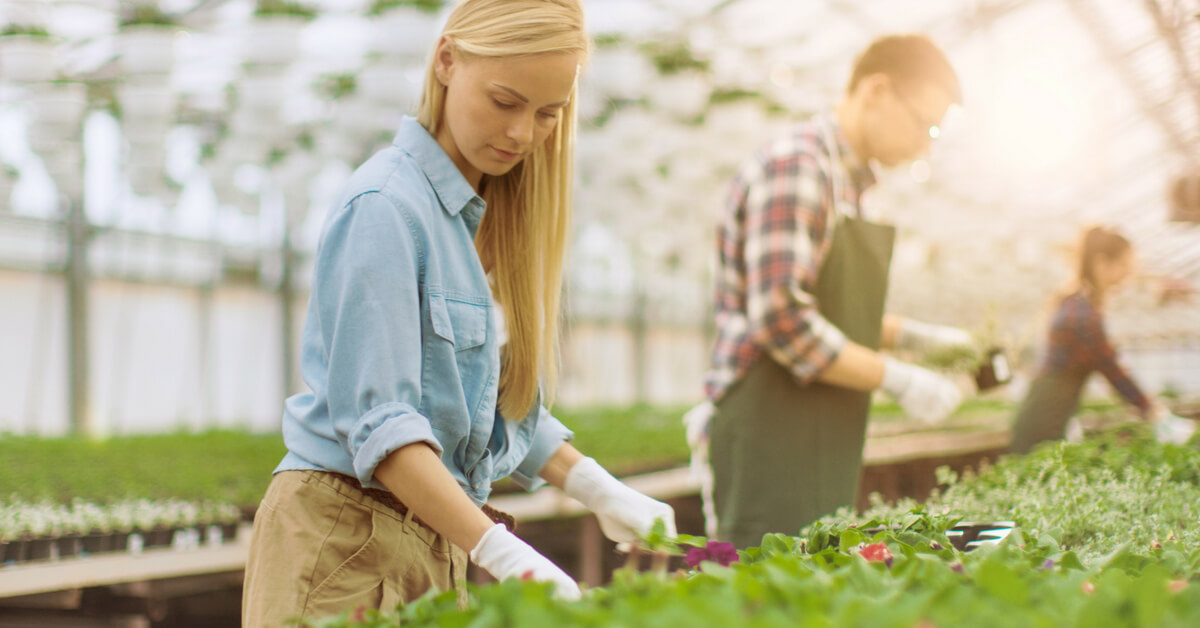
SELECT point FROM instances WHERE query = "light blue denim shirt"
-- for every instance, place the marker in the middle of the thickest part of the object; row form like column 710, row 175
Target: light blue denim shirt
column 399, row 345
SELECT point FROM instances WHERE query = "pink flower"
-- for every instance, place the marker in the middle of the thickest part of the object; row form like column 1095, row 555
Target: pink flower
column 876, row 553
column 723, row 554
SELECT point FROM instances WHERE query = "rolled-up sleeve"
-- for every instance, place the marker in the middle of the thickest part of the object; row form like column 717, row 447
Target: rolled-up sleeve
column 548, row 436
column 785, row 228
column 1103, row 357
column 367, row 285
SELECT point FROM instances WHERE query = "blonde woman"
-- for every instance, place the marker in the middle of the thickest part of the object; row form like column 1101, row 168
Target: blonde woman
column 440, row 246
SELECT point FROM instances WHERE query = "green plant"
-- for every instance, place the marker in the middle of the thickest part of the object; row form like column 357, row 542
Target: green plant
column 266, row 8
column 335, row 86
column 218, row 465
column 958, row 359
column 381, row 6
column 146, row 14
column 608, row 40
column 1118, row 487
column 673, row 57
column 844, row 575
column 31, row 30
column 722, row 96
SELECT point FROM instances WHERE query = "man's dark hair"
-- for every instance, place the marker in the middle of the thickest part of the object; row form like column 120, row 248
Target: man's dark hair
column 908, row 60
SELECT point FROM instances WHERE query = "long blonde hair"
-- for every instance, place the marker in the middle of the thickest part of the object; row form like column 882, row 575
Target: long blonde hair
column 523, row 237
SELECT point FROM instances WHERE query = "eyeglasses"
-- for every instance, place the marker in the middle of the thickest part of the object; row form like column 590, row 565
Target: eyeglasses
column 931, row 127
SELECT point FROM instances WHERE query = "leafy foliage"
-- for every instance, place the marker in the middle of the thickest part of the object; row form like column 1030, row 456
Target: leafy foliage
column 674, row 57
column 335, row 86
column 146, row 14
column 32, row 30
column 218, row 465
column 629, row 439
column 1105, row 537
column 791, row 581
column 1119, row 487
column 284, row 7
column 381, row 6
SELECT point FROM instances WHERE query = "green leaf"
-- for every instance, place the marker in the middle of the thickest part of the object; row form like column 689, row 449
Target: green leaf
column 775, row 544
column 850, row 538
column 1002, row 581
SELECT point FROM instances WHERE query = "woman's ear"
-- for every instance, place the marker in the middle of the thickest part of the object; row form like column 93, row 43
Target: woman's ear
column 443, row 59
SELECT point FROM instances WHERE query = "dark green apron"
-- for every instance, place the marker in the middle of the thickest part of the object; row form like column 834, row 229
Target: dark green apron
column 1052, row 400
column 785, row 454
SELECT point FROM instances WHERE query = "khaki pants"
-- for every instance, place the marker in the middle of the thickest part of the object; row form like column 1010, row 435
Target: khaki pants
column 322, row 547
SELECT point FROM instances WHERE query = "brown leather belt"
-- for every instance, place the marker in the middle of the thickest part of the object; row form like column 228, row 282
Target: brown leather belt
column 388, row 499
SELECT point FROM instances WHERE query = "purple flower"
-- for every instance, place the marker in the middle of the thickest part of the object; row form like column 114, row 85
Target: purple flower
column 1047, row 565
column 723, row 554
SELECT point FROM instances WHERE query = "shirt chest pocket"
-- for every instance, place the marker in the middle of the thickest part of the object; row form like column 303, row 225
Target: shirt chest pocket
column 463, row 324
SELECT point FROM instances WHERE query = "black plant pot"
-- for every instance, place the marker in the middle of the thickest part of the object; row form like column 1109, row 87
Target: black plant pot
column 15, row 551
column 994, row 371
column 158, row 537
column 68, row 545
column 40, row 549
column 96, row 542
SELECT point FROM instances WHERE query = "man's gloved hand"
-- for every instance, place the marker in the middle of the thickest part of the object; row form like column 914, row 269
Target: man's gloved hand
column 625, row 515
column 697, row 422
column 1074, row 431
column 923, row 394
column 502, row 554
column 1172, row 428
column 925, row 337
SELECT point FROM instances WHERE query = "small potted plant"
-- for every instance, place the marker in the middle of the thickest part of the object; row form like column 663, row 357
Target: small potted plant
column 8, row 535
column 37, row 526
column 146, row 40
column 27, row 53
column 95, row 527
column 403, row 28
column 273, row 37
column 56, row 113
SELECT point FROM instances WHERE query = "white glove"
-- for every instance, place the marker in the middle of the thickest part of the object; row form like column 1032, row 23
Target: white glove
column 1074, row 433
column 696, row 422
column 625, row 515
column 502, row 554
column 923, row 394
column 926, row 337
column 1173, row 428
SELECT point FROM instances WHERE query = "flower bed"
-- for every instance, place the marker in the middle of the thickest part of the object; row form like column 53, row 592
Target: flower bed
column 1105, row 535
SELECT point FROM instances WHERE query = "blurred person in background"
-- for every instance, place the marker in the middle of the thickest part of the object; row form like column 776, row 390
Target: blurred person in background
column 1077, row 346
column 432, row 319
column 801, row 282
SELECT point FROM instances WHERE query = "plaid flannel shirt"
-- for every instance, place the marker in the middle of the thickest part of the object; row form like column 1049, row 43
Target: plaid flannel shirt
column 775, row 231
column 1078, row 342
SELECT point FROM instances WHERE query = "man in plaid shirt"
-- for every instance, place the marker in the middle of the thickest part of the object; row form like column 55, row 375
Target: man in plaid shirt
column 800, row 286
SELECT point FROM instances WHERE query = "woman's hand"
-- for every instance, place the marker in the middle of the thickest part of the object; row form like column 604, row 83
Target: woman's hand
column 626, row 516
column 503, row 555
